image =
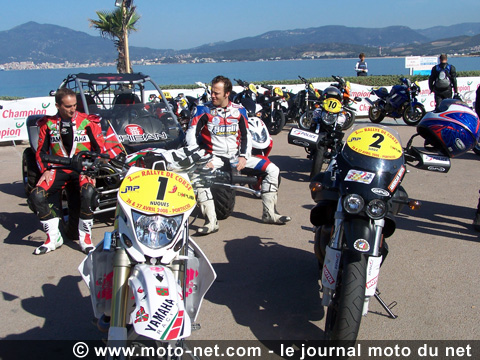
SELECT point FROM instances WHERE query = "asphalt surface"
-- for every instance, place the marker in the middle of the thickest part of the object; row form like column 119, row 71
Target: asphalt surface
column 267, row 285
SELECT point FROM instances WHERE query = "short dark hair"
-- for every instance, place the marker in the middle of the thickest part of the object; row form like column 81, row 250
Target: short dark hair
column 61, row 93
column 443, row 57
column 361, row 55
column 227, row 84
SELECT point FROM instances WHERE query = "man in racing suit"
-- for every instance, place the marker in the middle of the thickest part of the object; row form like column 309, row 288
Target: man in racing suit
column 222, row 130
column 64, row 135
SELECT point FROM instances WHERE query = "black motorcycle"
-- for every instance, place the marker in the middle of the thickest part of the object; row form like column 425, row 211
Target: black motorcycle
column 247, row 97
column 325, row 129
column 357, row 198
column 348, row 110
column 272, row 111
column 307, row 101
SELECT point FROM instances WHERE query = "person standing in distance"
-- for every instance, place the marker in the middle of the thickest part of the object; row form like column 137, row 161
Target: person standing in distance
column 361, row 67
column 221, row 128
column 442, row 80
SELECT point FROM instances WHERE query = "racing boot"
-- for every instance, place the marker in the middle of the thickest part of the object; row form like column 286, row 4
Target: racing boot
column 54, row 237
column 85, row 235
column 211, row 223
column 270, row 214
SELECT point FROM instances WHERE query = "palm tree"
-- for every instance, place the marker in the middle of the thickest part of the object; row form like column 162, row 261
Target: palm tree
column 115, row 26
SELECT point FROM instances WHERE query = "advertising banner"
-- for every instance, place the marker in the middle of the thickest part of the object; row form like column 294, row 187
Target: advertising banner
column 13, row 114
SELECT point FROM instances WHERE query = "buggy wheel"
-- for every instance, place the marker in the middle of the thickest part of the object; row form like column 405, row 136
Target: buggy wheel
column 30, row 172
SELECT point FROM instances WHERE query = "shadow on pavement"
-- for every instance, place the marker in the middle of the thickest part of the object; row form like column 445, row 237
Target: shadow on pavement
column 446, row 220
column 270, row 288
column 66, row 312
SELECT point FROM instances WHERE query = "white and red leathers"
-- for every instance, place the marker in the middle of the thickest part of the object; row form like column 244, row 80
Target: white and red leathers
column 223, row 132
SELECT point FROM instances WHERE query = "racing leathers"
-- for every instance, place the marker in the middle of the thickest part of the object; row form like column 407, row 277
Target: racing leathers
column 223, row 132
column 65, row 138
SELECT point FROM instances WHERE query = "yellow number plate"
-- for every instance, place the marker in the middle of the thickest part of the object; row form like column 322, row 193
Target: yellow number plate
column 157, row 192
column 332, row 105
column 375, row 142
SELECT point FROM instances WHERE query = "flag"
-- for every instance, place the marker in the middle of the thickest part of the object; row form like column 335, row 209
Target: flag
column 113, row 146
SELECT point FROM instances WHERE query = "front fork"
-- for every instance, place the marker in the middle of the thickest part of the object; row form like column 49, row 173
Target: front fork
column 333, row 254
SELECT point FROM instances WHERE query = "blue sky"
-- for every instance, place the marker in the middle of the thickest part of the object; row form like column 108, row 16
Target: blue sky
column 184, row 24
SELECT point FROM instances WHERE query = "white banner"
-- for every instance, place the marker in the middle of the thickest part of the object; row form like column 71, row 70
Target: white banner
column 14, row 114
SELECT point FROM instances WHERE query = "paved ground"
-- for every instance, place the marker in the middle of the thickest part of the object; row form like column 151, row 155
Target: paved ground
column 267, row 285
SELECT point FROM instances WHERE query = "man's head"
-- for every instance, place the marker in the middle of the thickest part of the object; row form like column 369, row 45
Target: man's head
column 361, row 56
column 443, row 58
column 66, row 103
column 221, row 89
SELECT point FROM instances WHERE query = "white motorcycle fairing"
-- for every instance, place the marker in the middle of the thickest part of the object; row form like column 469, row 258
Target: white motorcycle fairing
column 159, row 313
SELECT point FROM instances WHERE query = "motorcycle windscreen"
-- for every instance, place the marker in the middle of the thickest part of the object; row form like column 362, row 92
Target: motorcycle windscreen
column 372, row 161
column 159, row 312
column 140, row 126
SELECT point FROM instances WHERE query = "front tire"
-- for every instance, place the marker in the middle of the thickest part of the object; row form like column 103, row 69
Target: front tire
column 278, row 122
column 345, row 312
column 349, row 121
column 317, row 158
column 476, row 149
column 413, row 116
column 375, row 114
column 305, row 121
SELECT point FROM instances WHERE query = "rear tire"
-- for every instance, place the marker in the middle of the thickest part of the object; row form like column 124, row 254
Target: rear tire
column 413, row 117
column 224, row 200
column 278, row 122
column 345, row 312
column 476, row 149
column 375, row 114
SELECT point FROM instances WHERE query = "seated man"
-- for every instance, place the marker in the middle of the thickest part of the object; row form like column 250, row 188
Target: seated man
column 223, row 128
column 64, row 135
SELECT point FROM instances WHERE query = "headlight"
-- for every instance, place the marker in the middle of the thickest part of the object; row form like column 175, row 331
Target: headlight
column 376, row 209
column 353, row 203
column 329, row 118
column 156, row 231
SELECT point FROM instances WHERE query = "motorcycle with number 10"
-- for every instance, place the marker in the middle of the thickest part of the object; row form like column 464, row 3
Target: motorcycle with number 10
column 357, row 198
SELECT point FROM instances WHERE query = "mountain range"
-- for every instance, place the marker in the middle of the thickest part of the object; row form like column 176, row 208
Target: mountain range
column 51, row 43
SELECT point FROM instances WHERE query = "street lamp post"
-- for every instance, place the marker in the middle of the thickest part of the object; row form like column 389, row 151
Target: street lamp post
column 125, row 4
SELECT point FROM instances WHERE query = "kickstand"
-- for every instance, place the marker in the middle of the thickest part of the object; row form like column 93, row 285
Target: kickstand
column 388, row 308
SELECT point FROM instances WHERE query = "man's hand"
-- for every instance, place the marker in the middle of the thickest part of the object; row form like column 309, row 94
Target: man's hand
column 47, row 176
column 242, row 162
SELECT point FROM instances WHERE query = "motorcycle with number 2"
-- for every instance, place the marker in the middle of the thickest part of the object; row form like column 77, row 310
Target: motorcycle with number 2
column 357, row 199
column 147, row 278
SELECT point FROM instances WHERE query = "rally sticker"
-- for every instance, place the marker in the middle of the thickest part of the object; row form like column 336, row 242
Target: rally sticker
column 361, row 245
column 359, row 176
column 157, row 192
column 375, row 142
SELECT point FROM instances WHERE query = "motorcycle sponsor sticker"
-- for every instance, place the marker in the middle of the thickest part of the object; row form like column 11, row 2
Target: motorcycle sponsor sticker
column 381, row 192
column 304, row 134
column 141, row 315
column 134, row 129
column 155, row 192
column 162, row 291
column 361, row 245
column 436, row 168
column 327, row 275
column 375, row 142
column 397, row 179
column 359, row 176
column 372, row 282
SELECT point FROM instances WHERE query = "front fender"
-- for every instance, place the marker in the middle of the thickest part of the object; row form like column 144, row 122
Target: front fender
column 359, row 235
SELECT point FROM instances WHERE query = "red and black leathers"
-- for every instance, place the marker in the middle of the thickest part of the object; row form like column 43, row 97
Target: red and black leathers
column 66, row 138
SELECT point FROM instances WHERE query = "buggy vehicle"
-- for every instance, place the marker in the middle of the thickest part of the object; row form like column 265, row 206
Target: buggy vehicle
column 130, row 123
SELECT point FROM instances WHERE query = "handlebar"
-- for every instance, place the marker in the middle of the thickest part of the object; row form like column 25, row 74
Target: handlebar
column 78, row 162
